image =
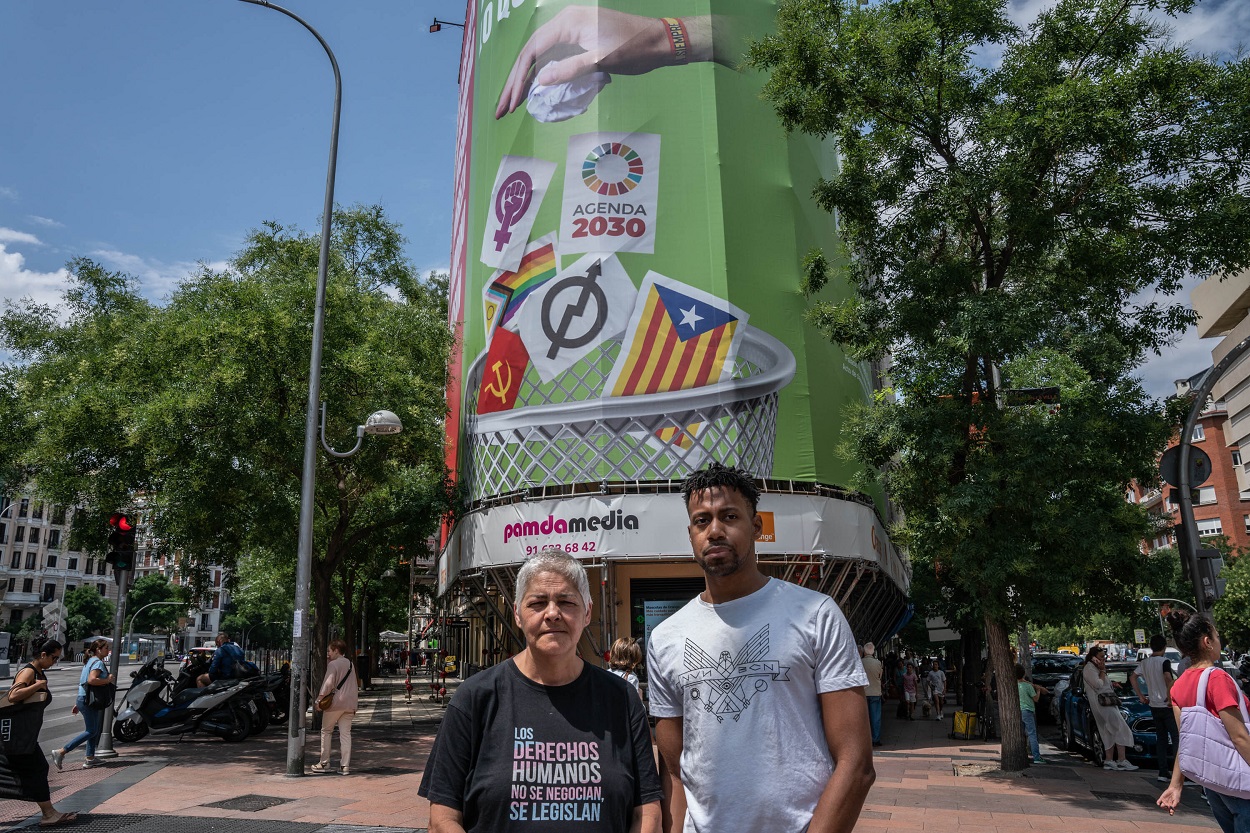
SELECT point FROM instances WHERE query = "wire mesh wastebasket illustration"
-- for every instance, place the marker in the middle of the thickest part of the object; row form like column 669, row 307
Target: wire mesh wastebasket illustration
column 565, row 431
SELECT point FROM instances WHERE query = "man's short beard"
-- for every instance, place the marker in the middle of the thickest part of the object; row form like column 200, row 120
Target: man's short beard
column 728, row 568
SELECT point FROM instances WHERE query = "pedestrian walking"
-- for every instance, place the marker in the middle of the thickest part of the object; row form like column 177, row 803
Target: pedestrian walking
column 910, row 680
column 755, row 684
column 94, row 676
column 23, row 767
column 936, row 679
column 624, row 659
column 337, row 701
column 544, row 740
column 872, row 667
column 1029, row 694
column 1156, row 671
column 1104, row 704
column 1212, row 713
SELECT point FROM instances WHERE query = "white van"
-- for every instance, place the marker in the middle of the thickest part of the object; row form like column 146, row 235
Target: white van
column 1171, row 653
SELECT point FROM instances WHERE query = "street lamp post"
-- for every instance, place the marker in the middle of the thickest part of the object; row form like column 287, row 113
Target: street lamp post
column 1155, row 599
column 303, row 567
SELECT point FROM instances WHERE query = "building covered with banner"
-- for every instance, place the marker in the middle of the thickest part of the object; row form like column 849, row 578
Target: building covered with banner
column 629, row 233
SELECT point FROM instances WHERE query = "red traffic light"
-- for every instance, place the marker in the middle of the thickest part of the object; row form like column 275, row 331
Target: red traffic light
column 119, row 521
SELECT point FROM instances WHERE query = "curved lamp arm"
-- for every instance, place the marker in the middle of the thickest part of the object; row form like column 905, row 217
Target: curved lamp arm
column 360, row 437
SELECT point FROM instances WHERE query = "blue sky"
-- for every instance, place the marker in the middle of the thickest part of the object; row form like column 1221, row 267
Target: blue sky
column 153, row 134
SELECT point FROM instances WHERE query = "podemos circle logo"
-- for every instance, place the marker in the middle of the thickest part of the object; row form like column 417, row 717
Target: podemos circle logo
column 612, row 169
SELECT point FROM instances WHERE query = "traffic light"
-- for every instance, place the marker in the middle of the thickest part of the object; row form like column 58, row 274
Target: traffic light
column 121, row 542
column 1210, row 564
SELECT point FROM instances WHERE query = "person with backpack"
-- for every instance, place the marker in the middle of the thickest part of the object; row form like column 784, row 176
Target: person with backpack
column 1212, row 714
column 227, row 661
column 23, row 767
column 93, row 675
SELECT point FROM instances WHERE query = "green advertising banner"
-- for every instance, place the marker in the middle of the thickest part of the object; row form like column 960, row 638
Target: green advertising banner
column 631, row 220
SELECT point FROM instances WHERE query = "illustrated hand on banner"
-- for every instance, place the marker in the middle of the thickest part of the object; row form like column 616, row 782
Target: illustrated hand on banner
column 572, row 314
column 520, row 185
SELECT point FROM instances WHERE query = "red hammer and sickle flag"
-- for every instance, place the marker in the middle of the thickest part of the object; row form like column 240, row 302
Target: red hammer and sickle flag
column 506, row 361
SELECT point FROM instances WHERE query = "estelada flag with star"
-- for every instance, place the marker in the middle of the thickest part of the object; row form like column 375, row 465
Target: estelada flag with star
column 502, row 373
column 678, row 338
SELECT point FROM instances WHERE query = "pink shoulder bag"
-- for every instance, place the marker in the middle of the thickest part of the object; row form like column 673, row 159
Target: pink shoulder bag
column 1206, row 753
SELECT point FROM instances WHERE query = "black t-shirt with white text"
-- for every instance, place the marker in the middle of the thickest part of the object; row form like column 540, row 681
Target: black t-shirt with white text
column 514, row 755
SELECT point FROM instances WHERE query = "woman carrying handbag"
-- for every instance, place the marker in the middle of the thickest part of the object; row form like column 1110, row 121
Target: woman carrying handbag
column 338, row 710
column 96, row 688
column 1104, row 705
column 23, row 767
column 1215, row 743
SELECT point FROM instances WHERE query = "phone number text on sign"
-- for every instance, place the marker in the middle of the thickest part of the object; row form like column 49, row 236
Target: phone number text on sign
column 574, row 547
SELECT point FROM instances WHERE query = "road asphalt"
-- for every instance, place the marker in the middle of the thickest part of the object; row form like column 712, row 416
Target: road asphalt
column 926, row 781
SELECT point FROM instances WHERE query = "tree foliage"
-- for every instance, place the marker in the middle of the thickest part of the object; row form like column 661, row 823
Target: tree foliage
column 200, row 403
column 87, row 613
column 1017, row 205
column 169, row 602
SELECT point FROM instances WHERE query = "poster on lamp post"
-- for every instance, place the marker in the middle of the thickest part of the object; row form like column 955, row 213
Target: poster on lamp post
column 633, row 219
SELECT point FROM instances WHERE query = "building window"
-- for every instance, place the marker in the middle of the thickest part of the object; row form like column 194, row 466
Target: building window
column 51, row 561
column 54, row 539
column 206, row 622
column 49, row 592
column 36, row 513
column 99, row 568
column 28, row 585
column 1237, row 457
column 4, row 533
column 30, row 561
column 100, row 588
column 90, row 566
column 24, row 508
column 1210, row 526
column 16, row 563
column 12, row 584
column 1199, row 434
column 70, row 588
column 19, row 536
column 15, row 617
column 73, row 563
column 1206, row 495
column 58, row 515
column 34, row 535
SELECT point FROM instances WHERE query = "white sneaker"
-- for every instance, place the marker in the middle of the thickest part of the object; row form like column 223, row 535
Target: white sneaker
column 1126, row 766
column 1109, row 765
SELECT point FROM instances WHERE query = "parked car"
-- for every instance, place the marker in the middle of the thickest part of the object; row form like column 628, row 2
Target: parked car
column 1078, row 731
column 1048, row 671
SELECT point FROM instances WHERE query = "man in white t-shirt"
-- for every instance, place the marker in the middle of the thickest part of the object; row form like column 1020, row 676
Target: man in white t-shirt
column 936, row 678
column 1156, row 670
column 756, row 687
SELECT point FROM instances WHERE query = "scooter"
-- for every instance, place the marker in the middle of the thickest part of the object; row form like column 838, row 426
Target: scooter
column 223, row 709
column 263, row 699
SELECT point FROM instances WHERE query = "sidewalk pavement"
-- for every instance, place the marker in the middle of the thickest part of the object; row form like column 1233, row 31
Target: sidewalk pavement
column 925, row 782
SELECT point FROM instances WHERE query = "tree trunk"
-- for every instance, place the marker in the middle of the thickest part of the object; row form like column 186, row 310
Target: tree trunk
column 1015, row 753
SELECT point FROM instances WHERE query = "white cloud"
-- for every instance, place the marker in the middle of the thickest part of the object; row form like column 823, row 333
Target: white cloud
column 8, row 235
column 20, row 282
column 7, row 192
column 44, row 221
column 1213, row 27
column 1188, row 356
column 157, row 279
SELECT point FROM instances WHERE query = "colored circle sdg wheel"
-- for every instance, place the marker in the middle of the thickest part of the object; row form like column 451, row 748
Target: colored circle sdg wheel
column 603, row 168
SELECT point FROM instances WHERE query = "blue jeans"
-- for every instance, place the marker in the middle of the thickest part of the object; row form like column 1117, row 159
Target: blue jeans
column 874, row 717
column 1232, row 814
column 1167, row 738
column 1030, row 728
column 93, row 720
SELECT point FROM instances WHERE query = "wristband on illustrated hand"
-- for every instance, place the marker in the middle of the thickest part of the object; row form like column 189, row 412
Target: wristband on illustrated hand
column 678, row 39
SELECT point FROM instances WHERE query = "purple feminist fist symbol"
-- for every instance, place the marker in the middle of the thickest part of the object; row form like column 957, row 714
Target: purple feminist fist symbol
column 511, row 203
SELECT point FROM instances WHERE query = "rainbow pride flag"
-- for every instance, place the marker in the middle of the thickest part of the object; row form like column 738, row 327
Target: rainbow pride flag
column 506, row 291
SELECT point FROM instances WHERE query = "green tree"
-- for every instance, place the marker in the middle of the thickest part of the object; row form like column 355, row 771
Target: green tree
column 87, row 613
column 170, row 602
column 200, row 403
column 1232, row 610
column 1017, row 204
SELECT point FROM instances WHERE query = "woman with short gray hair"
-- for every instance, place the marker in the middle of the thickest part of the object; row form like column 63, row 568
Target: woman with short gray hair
column 544, row 736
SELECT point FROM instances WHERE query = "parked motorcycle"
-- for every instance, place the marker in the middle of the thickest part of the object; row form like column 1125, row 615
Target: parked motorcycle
column 224, row 709
column 260, row 689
